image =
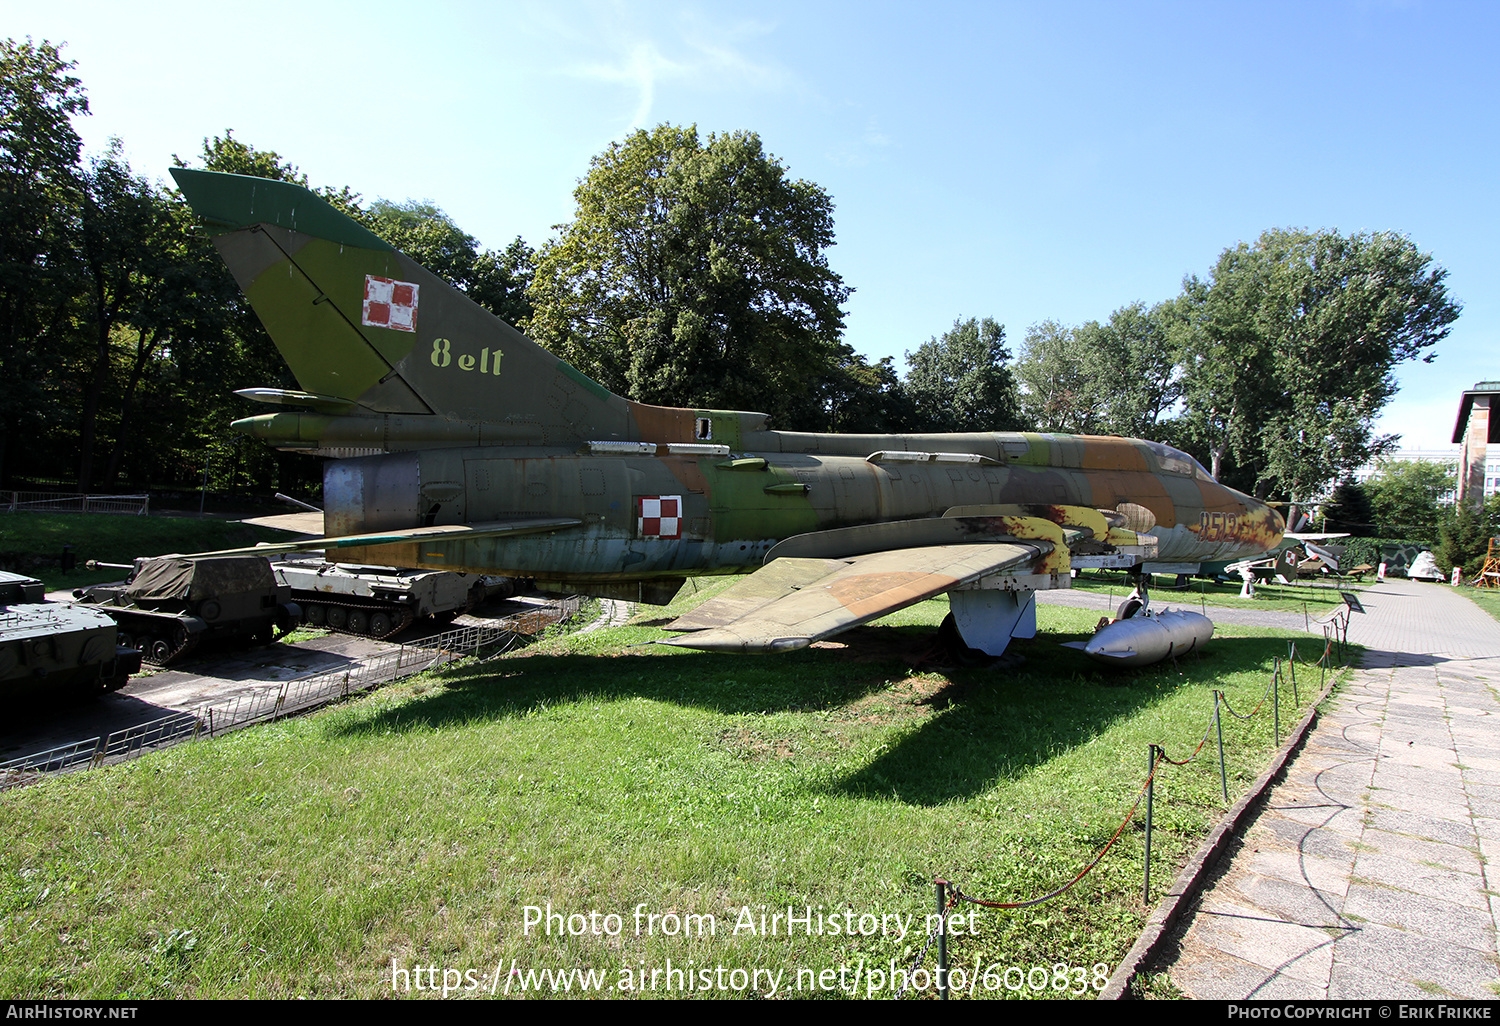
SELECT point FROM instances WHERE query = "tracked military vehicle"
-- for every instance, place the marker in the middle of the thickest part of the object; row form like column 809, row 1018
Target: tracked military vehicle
column 53, row 649
column 380, row 601
column 170, row 604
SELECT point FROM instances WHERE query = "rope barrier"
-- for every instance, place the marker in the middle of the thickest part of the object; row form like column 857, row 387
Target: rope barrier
column 1158, row 756
column 1209, row 729
column 1083, row 873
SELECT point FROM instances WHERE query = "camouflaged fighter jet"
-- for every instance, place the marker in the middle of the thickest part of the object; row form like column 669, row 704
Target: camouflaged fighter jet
column 460, row 444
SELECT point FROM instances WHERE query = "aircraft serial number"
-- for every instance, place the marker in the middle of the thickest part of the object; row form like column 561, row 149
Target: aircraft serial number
column 1218, row 526
column 442, row 356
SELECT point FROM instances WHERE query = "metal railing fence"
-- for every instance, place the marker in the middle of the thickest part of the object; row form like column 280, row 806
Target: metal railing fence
column 291, row 696
column 58, row 502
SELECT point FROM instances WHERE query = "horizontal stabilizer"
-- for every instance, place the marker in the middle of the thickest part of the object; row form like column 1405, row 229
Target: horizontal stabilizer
column 450, row 533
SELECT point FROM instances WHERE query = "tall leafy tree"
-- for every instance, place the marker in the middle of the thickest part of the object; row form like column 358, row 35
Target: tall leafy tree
column 696, row 274
column 1349, row 509
column 1120, row 377
column 960, row 381
column 40, row 195
column 1056, row 393
column 1290, row 347
column 131, row 250
column 421, row 230
column 1410, row 496
column 1132, row 367
column 1465, row 538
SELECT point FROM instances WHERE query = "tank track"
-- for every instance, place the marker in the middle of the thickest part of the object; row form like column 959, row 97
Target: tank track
column 357, row 619
column 156, row 648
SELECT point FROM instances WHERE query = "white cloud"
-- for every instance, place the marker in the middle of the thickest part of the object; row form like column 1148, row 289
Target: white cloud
column 693, row 51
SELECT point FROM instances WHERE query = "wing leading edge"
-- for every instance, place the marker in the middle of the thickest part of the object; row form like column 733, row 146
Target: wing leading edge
column 792, row 602
column 815, row 585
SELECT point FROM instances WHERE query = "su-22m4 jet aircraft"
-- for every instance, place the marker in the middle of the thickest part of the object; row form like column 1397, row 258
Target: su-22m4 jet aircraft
column 460, row 444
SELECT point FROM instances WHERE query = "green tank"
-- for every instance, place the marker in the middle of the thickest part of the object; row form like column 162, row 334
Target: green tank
column 171, row 604
column 54, row 650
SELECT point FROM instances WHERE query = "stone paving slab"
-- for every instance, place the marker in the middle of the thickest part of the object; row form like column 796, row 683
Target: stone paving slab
column 1368, row 872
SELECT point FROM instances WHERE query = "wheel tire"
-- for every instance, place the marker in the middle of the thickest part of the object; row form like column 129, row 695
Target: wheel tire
column 317, row 615
column 338, row 617
column 158, row 651
column 359, row 622
column 381, row 624
column 1129, row 608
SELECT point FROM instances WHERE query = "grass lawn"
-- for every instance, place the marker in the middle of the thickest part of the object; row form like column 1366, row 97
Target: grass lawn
column 1315, row 597
column 31, row 542
column 530, row 814
column 1487, row 599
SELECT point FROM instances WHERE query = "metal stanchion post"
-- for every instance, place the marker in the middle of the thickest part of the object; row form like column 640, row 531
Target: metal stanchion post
column 942, row 905
column 1276, row 700
column 1150, row 798
column 1219, row 726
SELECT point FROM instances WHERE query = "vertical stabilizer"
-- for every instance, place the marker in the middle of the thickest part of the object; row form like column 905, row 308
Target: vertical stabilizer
column 359, row 323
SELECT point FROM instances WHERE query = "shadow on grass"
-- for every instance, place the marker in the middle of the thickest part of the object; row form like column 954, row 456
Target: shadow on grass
column 1002, row 726
column 982, row 725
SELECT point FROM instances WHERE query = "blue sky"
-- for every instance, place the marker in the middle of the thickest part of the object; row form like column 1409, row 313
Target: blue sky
column 1020, row 161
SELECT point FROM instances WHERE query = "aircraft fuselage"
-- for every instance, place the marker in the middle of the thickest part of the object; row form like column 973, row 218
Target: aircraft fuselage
column 674, row 514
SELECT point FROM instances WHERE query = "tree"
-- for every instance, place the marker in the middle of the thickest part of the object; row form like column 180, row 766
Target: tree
column 40, row 194
column 129, row 246
column 1409, row 497
column 1465, row 537
column 1121, row 377
column 496, row 281
column 1133, row 366
column 695, row 275
column 1289, row 350
column 959, row 380
column 1349, row 509
column 1055, row 392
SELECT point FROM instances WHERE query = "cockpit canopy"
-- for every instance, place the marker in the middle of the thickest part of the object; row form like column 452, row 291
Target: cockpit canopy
column 1175, row 461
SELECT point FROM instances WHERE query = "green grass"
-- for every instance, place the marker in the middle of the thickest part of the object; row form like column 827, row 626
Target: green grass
column 31, row 543
column 1487, row 599
column 414, row 827
column 1315, row 597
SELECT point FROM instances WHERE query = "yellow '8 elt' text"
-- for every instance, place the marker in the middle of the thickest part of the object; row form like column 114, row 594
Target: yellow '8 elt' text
column 442, row 356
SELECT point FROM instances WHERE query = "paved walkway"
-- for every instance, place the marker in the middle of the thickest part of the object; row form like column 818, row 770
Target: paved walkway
column 1365, row 875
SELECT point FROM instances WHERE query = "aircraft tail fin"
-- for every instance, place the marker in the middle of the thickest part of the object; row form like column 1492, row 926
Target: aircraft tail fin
column 361, row 324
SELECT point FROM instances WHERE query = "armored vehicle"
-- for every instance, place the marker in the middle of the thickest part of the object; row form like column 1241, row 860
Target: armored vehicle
column 171, row 604
column 51, row 649
column 378, row 601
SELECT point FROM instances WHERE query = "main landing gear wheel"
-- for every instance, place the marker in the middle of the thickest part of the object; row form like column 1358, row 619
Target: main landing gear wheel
column 965, row 654
column 954, row 644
